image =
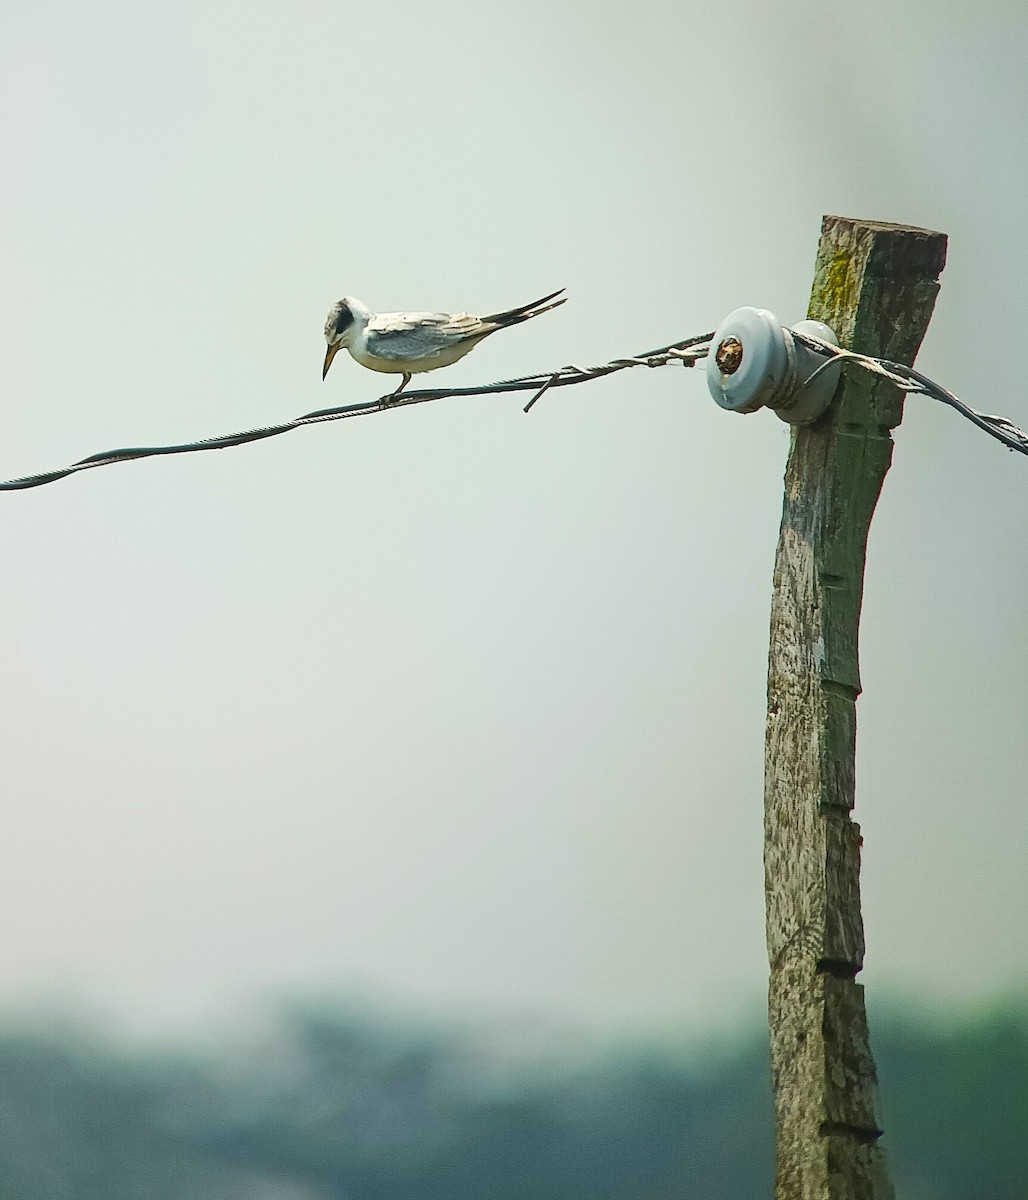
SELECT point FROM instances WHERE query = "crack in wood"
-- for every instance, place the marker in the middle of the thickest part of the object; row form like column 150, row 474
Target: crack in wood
column 865, row 1136
column 838, row 968
column 837, row 688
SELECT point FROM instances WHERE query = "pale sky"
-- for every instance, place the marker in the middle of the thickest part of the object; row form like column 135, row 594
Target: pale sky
column 452, row 706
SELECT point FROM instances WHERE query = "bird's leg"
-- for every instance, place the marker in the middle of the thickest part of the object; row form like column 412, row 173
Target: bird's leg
column 403, row 383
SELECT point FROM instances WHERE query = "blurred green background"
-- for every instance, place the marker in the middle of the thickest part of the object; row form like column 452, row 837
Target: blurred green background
column 326, row 1105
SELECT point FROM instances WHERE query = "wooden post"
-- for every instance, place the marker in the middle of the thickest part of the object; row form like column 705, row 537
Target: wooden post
column 875, row 285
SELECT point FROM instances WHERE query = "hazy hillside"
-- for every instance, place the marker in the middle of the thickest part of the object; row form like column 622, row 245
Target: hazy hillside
column 329, row 1107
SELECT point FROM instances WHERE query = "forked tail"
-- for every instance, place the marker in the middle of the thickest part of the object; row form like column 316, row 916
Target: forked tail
column 514, row 316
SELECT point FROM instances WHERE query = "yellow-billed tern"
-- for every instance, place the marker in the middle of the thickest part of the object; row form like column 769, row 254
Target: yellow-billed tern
column 405, row 343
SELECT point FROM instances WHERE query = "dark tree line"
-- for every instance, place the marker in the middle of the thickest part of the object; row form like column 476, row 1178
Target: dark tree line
column 334, row 1108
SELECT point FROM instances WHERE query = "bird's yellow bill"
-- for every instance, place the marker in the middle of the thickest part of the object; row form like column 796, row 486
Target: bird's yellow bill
column 330, row 353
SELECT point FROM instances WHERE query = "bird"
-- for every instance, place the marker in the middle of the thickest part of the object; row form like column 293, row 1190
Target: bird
column 404, row 343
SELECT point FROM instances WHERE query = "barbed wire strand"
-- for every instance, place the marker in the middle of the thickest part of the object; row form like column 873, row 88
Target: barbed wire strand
column 687, row 352
column 914, row 383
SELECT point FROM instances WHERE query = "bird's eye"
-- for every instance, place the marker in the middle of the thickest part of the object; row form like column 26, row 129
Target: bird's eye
column 343, row 318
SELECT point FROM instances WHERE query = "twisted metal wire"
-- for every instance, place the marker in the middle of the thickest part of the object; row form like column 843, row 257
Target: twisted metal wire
column 914, row 383
column 686, row 352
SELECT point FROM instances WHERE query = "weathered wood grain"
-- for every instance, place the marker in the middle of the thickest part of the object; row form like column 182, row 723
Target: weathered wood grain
column 875, row 285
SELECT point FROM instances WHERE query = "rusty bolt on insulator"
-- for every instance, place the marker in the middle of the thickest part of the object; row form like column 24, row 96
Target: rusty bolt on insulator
column 729, row 356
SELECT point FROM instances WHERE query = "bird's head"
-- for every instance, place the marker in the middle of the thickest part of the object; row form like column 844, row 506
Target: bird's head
column 338, row 329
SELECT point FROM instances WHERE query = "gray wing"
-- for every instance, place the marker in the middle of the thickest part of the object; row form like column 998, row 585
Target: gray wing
column 421, row 335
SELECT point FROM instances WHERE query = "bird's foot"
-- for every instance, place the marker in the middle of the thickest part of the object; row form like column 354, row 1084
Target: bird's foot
column 394, row 397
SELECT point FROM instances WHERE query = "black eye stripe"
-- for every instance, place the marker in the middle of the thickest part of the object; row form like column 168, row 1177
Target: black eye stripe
column 343, row 318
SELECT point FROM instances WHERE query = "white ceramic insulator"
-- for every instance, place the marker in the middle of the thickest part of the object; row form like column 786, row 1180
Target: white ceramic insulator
column 775, row 370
